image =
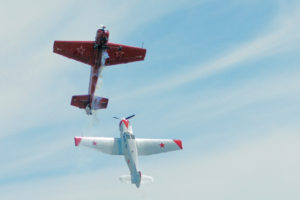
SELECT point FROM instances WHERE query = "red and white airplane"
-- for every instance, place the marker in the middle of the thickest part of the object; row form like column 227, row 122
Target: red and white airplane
column 130, row 147
column 98, row 54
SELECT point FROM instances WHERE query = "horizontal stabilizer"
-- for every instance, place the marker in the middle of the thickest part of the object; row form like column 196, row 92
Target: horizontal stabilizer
column 127, row 179
column 99, row 103
column 147, row 179
column 82, row 101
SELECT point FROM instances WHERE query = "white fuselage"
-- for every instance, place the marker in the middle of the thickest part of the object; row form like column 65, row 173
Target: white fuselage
column 130, row 151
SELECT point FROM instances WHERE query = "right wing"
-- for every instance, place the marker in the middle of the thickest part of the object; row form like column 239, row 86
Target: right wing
column 82, row 51
column 154, row 146
column 106, row 145
column 119, row 53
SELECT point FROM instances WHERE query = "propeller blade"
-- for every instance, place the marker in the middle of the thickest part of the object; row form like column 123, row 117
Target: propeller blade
column 130, row 116
column 116, row 117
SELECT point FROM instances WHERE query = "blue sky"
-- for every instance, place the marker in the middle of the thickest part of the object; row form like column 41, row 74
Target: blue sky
column 221, row 76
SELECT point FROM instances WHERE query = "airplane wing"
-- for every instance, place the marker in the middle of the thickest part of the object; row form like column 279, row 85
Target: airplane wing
column 118, row 54
column 154, row 146
column 108, row 145
column 81, row 51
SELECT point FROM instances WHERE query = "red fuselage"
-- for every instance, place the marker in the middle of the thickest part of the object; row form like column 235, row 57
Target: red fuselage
column 101, row 40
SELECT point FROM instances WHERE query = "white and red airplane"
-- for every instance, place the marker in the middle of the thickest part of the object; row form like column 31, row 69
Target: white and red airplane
column 98, row 53
column 130, row 147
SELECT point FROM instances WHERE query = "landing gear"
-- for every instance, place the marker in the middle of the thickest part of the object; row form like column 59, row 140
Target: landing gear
column 88, row 110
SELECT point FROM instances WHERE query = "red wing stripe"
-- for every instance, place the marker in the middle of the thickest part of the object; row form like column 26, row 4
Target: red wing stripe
column 179, row 143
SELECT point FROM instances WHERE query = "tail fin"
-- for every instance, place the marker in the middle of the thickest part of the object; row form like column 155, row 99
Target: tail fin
column 82, row 101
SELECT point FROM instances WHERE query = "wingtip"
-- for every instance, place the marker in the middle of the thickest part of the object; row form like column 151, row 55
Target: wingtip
column 179, row 143
column 77, row 140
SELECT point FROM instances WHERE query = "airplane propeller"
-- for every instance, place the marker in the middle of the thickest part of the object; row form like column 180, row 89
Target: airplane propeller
column 130, row 116
column 126, row 117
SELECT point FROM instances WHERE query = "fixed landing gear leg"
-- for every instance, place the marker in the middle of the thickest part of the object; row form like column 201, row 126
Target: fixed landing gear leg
column 88, row 110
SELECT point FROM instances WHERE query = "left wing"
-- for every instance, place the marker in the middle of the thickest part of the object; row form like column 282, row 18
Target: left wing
column 154, row 146
column 108, row 145
column 82, row 51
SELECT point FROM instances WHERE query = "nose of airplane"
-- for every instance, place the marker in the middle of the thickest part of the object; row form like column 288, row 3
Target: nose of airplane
column 124, row 122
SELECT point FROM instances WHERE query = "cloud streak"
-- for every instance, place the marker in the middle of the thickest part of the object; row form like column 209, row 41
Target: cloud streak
column 262, row 168
column 27, row 80
column 226, row 173
column 281, row 36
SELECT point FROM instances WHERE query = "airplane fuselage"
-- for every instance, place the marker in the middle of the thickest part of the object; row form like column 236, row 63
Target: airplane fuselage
column 130, row 151
column 96, row 69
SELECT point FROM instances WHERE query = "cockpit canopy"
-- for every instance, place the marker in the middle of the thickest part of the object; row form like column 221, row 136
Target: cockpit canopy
column 129, row 136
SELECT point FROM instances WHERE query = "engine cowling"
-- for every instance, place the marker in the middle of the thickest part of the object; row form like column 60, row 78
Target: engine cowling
column 102, row 36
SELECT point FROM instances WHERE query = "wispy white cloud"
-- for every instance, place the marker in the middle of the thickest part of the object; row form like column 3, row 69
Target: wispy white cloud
column 264, row 167
column 26, row 81
column 219, row 102
column 281, row 36
column 219, row 174
column 33, row 158
column 210, row 107
column 23, row 23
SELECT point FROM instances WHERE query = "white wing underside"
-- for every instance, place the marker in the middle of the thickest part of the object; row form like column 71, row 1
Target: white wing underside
column 155, row 146
column 108, row 145
column 113, row 146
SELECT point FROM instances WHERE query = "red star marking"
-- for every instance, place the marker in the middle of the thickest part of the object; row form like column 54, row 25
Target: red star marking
column 94, row 143
column 162, row 145
column 119, row 54
column 81, row 50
